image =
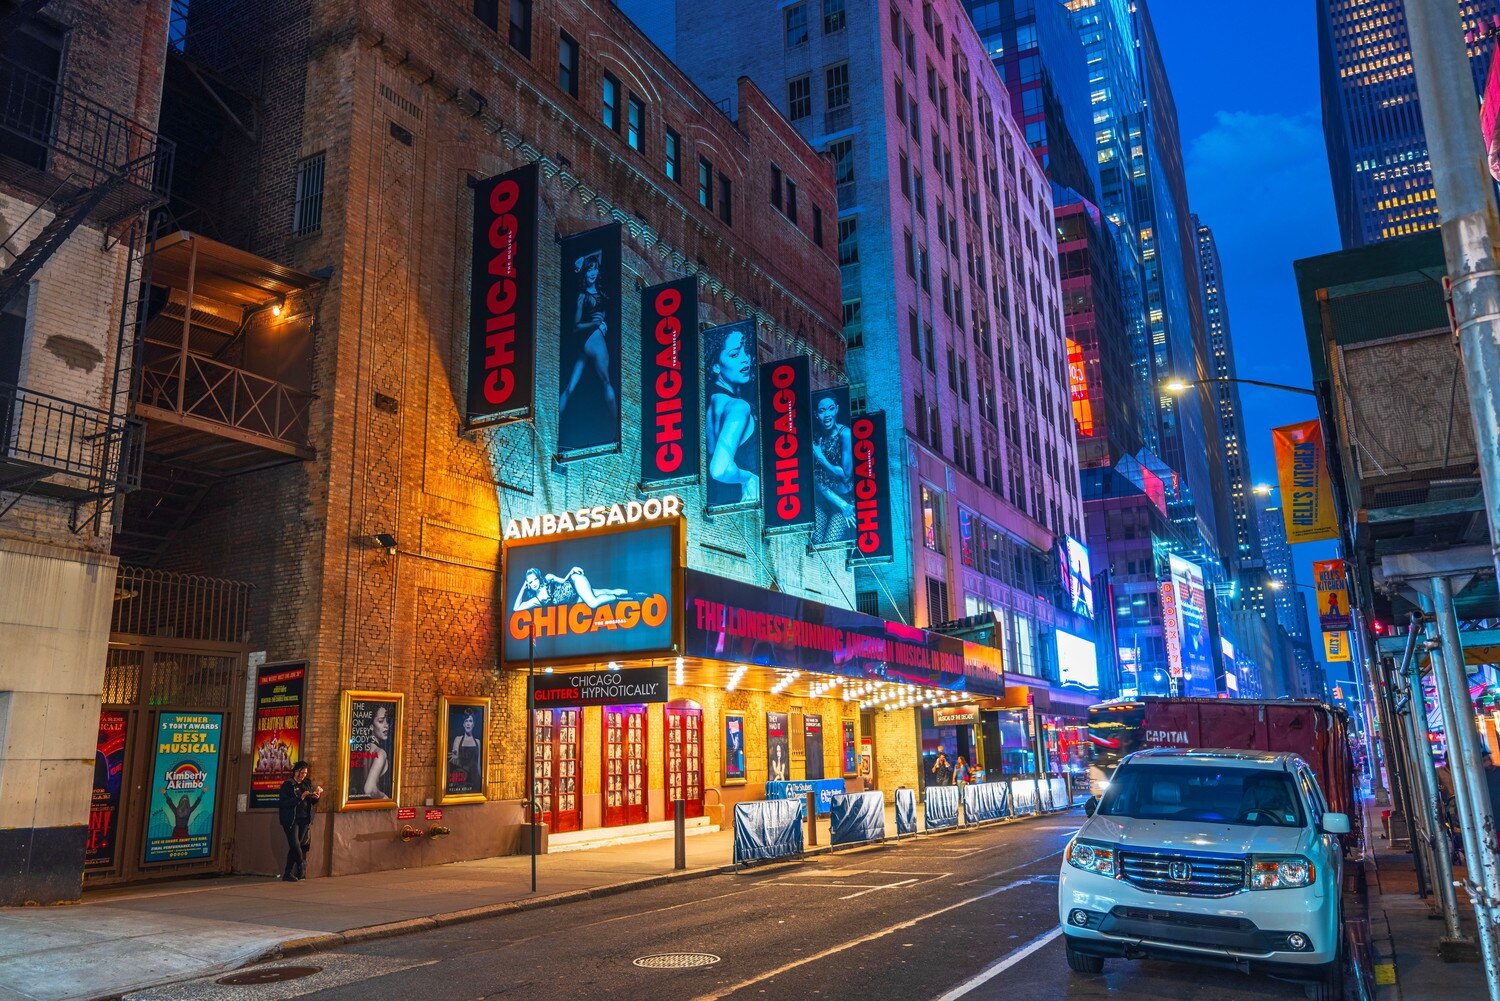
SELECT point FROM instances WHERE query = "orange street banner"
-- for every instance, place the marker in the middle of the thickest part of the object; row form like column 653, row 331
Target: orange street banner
column 1335, row 647
column 1306, row 492
column 1333, row 595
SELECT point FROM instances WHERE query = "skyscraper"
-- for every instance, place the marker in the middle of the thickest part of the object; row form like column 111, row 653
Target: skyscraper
column 1290, row 603
column 1372, row 121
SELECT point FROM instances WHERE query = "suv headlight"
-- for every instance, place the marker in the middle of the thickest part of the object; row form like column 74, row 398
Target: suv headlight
column 1092, row 856
column 1277, row 872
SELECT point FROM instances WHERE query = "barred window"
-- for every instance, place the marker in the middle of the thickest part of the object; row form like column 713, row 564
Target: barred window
column 307, row 213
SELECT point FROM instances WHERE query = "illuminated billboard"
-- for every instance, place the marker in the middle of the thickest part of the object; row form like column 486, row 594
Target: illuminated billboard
column 1078, row 390
column 1078, row 578
column 1192, row 618
column 1077, row 662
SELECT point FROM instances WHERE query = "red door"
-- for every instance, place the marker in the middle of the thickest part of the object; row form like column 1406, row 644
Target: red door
column 624, row 765
column 685, row 758
column 557, row 783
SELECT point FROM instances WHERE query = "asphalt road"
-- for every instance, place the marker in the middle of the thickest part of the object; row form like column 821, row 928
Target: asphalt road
column 970, row 916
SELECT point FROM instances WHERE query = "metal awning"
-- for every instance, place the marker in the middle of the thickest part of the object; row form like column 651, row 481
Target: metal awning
column 222, row 272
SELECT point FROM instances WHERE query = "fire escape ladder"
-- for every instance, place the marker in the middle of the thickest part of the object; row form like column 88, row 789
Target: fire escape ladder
column 69, row 215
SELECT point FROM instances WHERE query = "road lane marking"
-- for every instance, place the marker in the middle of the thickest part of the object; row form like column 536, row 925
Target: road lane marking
column 1002, row 872
column 887, row 886
column 871, row 937
column 1000, row 965
column 570, row 929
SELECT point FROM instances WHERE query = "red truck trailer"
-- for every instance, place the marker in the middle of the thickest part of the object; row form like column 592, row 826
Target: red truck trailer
column 1317, row 732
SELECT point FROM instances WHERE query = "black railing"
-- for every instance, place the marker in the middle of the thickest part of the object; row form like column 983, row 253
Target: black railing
column 92, row 450
column 51, row 127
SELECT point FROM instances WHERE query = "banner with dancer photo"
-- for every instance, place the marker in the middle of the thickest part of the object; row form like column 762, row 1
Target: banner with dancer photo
column 833, row 470
column 588, row 350
column 731, row 434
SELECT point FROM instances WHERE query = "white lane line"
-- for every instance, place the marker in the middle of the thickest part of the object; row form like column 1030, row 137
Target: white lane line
column 1002, row 872
column 851, row 943
column 1000, row 965
column 861, row 893
column 836, row 886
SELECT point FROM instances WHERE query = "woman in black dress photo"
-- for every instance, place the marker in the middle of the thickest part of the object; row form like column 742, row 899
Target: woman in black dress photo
column 833, row 475
column 588, row 345
column 730, row 421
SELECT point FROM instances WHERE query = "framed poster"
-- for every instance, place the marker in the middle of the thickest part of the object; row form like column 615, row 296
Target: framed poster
column 462, row 728
column 278, row 730
column 371, row 739
column 104, row 804
column 812, row 736
column 734, row 749
column 851, row 752
column 778, row 756
column 184, row 787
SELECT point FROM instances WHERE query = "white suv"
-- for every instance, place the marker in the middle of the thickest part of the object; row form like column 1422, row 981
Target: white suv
column 1221, row 857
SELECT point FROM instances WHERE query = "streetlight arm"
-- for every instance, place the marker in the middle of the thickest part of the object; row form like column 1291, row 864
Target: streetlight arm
column 1251, row 382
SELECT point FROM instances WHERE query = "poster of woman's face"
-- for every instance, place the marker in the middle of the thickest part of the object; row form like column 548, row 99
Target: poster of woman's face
column 833, row 469
column 778, row 757
column 372, row 748
column 588, row 398
column 734, row 748
column 461, row 767
column 731, row 436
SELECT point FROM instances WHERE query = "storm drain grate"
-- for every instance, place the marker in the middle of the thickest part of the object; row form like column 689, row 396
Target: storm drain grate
column 268, row 975
column 677, row 960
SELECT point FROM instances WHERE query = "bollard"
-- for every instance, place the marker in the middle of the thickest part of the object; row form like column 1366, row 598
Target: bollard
column 679, row 834
column 812, row 816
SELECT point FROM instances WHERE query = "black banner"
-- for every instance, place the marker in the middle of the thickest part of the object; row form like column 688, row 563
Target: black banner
column 833, row 470
column 277, row 743
column 571, row 689
column 669, row 382
column 786, row 443
column 874, row 535
column 812, row 737
column 588, row 350
column 502, row 298
column 730, row 432
column 778, row 754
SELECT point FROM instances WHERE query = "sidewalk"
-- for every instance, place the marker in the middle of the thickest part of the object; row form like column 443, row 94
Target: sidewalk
column 1404, row 934
column 121, row 940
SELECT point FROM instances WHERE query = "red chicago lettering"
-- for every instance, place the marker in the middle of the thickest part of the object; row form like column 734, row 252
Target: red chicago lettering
column 668, row 383
column 866, row 490
column 500, row 297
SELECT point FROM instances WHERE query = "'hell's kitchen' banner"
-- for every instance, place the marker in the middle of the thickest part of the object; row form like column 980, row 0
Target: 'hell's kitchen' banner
column 731, row 358
column 669, row 382
column 874, row 531
column 1336, row 647
column 277, row 743
column 1306, row 491
column 594, row 596
column 588, row 350
column 786, row 444
column 502, row 298
column 1333, row 595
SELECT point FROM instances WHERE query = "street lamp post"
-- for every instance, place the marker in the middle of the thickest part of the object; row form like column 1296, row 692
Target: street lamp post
column 1183, row 385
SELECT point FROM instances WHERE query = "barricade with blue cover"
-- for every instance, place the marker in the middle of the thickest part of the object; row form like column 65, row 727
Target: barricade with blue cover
column 985, row 801
column 906, row 811
column 798, row 789
column 1023, row 797
column 767, row 829
column 857, row 817
column 942, row 806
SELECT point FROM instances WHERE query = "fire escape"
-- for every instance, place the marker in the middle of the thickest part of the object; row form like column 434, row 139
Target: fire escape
column 81, row 163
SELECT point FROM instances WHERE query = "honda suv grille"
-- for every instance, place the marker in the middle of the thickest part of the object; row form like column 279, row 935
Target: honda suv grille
column 1189, row 875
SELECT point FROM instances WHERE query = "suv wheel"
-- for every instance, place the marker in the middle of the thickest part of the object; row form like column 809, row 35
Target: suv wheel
column 1082, row 962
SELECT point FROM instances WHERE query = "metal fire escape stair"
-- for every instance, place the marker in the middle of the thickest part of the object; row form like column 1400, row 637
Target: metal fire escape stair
column 69, row 215
column 160, row 508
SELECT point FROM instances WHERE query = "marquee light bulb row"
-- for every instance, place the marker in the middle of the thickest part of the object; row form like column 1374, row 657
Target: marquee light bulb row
column 785, row 682
column 734, row 679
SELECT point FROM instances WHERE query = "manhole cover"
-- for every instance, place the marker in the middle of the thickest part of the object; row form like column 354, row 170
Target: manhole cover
column 677, row 960
column 268, row 975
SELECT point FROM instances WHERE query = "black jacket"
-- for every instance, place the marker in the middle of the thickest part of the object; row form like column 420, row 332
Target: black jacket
column 292, row 808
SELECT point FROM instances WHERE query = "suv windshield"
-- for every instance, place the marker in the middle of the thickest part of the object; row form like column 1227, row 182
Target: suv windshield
column 1250, row 796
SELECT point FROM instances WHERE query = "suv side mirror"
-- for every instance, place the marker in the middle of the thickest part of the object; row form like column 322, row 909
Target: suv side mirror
column 1090, row 805
column 1335, row 823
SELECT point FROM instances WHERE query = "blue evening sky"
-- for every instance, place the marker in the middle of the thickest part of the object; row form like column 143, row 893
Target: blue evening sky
column 1246, row 89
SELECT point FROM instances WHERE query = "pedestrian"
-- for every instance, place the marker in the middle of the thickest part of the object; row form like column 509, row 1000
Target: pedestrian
column 960, row 771
column 295, row 811
column 941, row 771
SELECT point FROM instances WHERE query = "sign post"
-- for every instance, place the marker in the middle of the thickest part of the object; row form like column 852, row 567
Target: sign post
column 531, row 754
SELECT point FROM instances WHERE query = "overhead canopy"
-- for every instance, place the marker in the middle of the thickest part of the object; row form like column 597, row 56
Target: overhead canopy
column 222, row 272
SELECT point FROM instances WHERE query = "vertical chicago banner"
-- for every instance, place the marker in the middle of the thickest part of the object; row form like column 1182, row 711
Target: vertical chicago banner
column 786, row 444
column 669, row 382
column 502, row 298
column 874, row 533
column 588, row 352
column 833, row 470
column 730, row 430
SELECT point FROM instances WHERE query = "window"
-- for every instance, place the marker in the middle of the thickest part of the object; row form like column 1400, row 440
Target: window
column 849, row 240
column 867, row 602
column 952, row 369
column 726, row 201
column 672, row 150
column 610, row 102
column 932, row 519
column 937, row 601
column 921, row 193
column 635, row 124
column 837, row 90
column 791, row 200
column 488, row 11
column 911, row 255
column 905, row 166
column 818, row 225
column 776, row 186
column 833, row 16
column 924, row 274
column 900, row 102
column 843, row 160
column 896, row 28
column 931, row 349
column 854, row 326
column 916, row 336
column 705, row 184
column 911, row 50
column 796, row 25
column 520, row 27
column 307, row 213
column 799, row 98
column 567, row 63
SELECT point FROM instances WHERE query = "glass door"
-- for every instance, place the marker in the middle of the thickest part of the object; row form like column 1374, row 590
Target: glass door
column 624, row 765
column 555, row 768
column 685, row 758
